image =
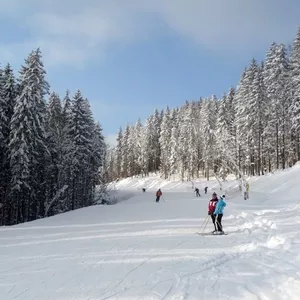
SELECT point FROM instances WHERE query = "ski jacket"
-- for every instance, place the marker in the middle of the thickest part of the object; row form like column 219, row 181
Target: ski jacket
column 220, row 207
column 211, row 206
column 247, row 187
column 158, row 193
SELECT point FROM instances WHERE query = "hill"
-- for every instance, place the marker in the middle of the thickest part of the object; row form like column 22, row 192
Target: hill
column 139, row 249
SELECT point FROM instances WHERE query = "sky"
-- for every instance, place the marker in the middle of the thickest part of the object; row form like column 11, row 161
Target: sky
column 130, row 57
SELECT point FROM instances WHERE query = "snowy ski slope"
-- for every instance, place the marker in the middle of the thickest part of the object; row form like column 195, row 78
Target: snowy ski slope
column 139, row 249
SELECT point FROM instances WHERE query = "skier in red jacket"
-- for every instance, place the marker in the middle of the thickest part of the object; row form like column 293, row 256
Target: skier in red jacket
column 158, row 195
column 211, row 208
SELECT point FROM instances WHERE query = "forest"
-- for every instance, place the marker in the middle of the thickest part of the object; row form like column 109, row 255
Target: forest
column 252, row 129
column 51, row 149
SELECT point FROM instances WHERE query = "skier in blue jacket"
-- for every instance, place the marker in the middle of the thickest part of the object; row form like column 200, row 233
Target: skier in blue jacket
column 219, row 213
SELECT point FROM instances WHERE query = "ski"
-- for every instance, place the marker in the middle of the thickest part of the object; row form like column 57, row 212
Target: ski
column 211, row 233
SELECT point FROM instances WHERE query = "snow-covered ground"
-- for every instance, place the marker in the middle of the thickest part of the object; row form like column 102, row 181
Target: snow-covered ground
column 139, row 249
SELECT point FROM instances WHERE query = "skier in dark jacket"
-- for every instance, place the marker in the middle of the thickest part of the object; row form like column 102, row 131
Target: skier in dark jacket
column 197, row 192
column 205, row 190
column 158, row 195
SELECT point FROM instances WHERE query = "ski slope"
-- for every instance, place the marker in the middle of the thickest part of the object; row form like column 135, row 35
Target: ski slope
column 139, row 249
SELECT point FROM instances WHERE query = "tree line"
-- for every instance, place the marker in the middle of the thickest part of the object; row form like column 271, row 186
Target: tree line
column 51, row 149
column 252, row 129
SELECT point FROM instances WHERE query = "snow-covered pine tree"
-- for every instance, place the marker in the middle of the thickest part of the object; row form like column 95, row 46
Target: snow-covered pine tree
column 182, row 146
column 137, row 140
column 98, row 159
column 7, row 102
column 66, row 109
column 67, row 146
column 118, row 155
column 80, row 151
column 146, row 144
column 197, row 107
column 276, row 69
column 238, row 120
column 55, row 158
column 208, row 115
column 174, row 143
column 164, row 141
column 155, row 142
column 192, row 143
column 131, row 152
column 125, row 152
column 222, row 132
column 109, row 164
column 294, row 109
column 27, row 143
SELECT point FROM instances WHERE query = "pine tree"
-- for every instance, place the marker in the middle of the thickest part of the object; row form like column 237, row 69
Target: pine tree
column 55, row 159
column 27, row 142
column 7, row 102
column 125, row 152
column 295, row 97
column 81, row 135
column 97, row 158
column 164, row 141
column 118, row 150
column 276, row 69
column 146, row 144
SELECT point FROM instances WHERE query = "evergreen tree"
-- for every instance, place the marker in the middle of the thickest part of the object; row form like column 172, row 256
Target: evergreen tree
column 7, row 102
column 294, row 85
column 55, row 157
column 27, row 142
column 164, row 141
column 81, row 136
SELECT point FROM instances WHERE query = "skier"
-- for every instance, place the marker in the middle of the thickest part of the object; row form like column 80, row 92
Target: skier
column 205, row 190
column 197, row 192
column 158, row 195
column 144, row 190
column 218, row 213
column 246, row 193
column 211, row 209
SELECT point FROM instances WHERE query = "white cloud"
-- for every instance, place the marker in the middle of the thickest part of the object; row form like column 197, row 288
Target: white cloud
column 73, row 32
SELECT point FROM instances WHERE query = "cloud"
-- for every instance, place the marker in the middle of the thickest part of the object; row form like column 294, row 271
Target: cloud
column 76, row 32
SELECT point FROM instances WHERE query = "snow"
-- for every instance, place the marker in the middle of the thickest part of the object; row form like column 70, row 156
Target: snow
column 139, row 249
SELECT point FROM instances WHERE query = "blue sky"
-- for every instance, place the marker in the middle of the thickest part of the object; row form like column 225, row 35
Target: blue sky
column 130, row 57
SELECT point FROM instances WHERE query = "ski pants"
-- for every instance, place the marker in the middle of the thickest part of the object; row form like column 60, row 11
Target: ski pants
column 157, row 198
column 217, row 221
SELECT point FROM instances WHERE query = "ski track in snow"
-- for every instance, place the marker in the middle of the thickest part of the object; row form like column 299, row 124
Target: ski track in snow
column 139, row 249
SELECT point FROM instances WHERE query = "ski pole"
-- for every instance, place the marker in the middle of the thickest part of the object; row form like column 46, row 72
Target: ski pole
column 204, row 224
column 207, row 219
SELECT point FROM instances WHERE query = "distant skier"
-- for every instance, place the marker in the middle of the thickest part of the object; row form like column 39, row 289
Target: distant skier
column 158, row 195
column 205, row 190
column 218, row 213
column 144, row 190
column 197, row 192
column 211, row 209
column 246, row 193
